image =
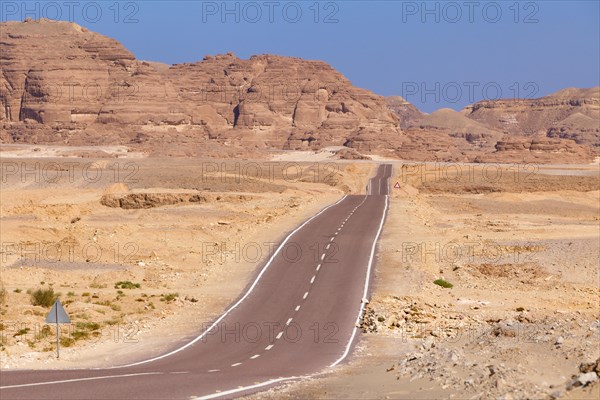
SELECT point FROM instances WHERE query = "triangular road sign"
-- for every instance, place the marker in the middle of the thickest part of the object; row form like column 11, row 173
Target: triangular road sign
column 397, row 185
column 57, row 315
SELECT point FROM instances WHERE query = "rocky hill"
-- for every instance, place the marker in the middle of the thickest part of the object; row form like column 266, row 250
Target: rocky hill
column 561, row 128
column 570, row 113
column 63, row 84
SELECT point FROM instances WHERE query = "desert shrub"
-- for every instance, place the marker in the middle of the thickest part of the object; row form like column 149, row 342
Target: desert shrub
column 44, row 332
column 2, row 294
column 169, row 297
column 127, row 285
column 22, row 332
column 43, row 297
column 66, row 341
column 443, row 283
column 80, row 335
column 88, row 326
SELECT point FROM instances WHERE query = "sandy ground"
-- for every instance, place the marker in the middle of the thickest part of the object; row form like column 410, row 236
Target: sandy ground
column 190, row 233
column 520, row 247
column 523, row 313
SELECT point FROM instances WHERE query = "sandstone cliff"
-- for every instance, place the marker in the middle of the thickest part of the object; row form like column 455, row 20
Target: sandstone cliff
column 62, row 84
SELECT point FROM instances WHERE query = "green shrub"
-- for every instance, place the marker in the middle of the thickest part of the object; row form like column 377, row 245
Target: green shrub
column 80, row 335
column 443, row 283
column 88, row 326
column 44, row 332
column 43, row 297
column 17, row 290
column 127, row 285
column 169, row 297
column 66, row 341
column 2, row 294
column 21, row 332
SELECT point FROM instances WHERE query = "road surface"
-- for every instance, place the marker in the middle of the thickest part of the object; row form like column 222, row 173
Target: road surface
column 296, row 318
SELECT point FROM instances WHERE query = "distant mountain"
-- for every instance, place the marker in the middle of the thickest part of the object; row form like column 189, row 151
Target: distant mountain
column 61, row 83
column 563, row 127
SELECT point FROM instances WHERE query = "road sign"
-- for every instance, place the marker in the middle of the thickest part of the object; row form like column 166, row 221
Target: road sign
column 397, row 185
column 57, row 315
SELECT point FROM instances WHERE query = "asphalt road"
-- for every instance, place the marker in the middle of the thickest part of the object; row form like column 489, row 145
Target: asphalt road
column 296, row 318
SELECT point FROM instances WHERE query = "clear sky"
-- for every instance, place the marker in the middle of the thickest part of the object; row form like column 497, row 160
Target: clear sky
column 436, row 53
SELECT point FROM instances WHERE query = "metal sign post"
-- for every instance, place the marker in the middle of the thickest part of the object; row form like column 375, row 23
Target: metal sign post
column 57, row 315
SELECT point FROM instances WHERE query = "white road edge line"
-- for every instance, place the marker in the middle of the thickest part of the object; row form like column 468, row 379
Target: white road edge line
column 203, row 334
column 273, row 381
column 93, row 378
column 366, row 287
column 241, row 389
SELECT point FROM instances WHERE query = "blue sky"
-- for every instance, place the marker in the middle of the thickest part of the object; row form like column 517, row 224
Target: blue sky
column 437, row 53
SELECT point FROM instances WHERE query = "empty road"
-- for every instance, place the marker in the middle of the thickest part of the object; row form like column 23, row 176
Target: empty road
column 296, row 318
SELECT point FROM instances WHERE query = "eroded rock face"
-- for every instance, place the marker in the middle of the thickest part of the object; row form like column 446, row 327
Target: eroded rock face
column 406, row 112
column 290, row 102
column 58, row 73
column 77, row 84
column 570, row 113
column 62, row 84
column 560, row 128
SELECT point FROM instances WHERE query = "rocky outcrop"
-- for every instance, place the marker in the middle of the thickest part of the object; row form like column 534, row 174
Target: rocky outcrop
column 538, row 149
column 407, row 113
column 571, row 114
column 555, row 129
column 290, row 102
column 62, row 84
column 58, row 73
column 75, row 84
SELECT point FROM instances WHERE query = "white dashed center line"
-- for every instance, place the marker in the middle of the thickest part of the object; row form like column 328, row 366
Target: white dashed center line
column 312, row 280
